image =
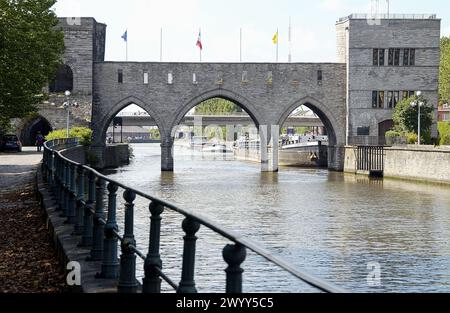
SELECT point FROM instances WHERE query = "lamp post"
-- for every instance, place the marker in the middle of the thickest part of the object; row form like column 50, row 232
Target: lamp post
column 419, row 104
column 67, row 105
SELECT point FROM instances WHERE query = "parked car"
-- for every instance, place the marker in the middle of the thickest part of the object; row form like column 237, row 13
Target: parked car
column 10, row 143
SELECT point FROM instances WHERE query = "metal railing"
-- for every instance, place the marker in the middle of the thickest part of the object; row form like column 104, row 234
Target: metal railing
column 370, row 159
column 98, row 228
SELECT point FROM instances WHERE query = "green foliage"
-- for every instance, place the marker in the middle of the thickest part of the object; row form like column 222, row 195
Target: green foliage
column 217, row 106
column 30, row 53
column 297, row 130
column 444, row 73
column 85, row 135
column 444, row 133
column 412, row 138
column 406, row 117
column 155, row 134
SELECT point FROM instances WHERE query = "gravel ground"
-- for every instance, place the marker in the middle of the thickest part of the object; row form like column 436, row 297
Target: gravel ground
column 28, row 261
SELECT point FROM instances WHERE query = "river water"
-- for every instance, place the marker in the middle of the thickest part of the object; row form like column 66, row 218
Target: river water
column 336, row 226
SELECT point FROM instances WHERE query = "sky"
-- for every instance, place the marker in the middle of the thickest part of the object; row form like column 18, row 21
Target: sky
column 220, row 21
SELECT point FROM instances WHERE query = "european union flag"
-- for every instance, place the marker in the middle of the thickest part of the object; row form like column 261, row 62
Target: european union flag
column 125, row 36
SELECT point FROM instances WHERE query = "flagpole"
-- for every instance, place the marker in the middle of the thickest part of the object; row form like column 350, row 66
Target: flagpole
column 290, row 41
column 160, row 46
column 126, row 46
column 240, row 45
column 278, row 40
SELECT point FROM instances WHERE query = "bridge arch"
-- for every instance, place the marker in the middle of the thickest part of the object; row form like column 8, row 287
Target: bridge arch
column 31, row 127
column 335, row 130
column 334, row 126
column 229, row 95
column 104, row 123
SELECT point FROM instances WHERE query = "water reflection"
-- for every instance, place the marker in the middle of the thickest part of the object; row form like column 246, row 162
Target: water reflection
column 329, row 223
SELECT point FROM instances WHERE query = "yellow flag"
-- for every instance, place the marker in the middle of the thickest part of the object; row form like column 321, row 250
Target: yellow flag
column 275, row 38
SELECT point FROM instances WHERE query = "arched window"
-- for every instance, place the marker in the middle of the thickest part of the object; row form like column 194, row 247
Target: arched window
column 63, row 80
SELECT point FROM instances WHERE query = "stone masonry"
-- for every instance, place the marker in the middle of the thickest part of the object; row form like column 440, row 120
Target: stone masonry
column 341, row 93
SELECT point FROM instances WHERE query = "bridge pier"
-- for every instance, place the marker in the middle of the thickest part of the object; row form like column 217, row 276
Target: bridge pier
column 336, row 155
column 167, row 156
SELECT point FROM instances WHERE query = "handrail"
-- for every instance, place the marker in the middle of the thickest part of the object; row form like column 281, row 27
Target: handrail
column 103, row 233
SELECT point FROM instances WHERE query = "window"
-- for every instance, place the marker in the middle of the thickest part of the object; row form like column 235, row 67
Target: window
column 396, row 98
column 146, row 78
column 405, row 94
column 391, row 57
column 390, row 99
column 244, row 78
column 170, row 78
column 412, row 57
column 194, row 79
column 381, row 57
column 378, row 99
column 120, row 76
column 397, row 57
column 409, row 57
column 63, row 80
column 363, row 131
column 375, row 57
column 378, row 57
column 374, row 99
column 319, row 75
column 381, row 99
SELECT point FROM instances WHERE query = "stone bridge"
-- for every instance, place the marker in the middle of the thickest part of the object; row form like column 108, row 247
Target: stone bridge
column 269, row 93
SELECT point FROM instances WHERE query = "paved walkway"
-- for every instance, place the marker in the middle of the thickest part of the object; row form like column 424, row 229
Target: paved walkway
column 28, row 261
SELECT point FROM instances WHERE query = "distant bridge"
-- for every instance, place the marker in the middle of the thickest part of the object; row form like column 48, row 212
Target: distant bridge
column 222, row 120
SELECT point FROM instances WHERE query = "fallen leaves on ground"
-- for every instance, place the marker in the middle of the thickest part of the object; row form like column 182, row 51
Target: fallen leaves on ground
column 28, row 262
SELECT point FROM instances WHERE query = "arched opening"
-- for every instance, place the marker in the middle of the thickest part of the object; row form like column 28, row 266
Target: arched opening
column 131, row 121
column 63, row 80
column 218, row 128
column 383, row 128
column 309, row 136
column 32, row 128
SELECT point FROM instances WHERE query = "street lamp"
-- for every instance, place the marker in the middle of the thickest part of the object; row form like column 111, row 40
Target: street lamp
column 419, row 104
column 67, row 105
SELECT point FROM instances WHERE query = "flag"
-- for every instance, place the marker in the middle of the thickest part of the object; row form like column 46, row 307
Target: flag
column 125, row 36
column 199, row 40
column 275, row 38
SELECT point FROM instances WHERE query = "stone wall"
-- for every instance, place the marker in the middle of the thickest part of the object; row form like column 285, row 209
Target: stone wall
column 420, row 34
column 425, row 163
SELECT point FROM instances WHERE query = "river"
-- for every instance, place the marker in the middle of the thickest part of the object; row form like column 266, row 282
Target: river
column 333, row 225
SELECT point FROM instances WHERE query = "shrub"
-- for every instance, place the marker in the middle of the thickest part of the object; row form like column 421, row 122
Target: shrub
column 444, row 133
column 85, row 135
column 412, row 138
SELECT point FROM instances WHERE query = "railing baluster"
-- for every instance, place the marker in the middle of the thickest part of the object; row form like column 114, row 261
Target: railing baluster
column 99, row 228
column 65, row 194
column 187, row 283
column 127, row 276
column 79, row 213
column 234, row 255
column 152, row 281
column 110, row 264
column 86, row 239
column 72, row 198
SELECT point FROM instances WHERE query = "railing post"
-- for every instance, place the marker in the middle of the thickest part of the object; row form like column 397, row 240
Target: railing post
column 79, row 213
column 127, row 276
column 72, row 195
column 99, row 228
column 187, row 283
column 65, row 194
column 110, row 264
column 86, row 239
column 234, row 255
column 152, row 281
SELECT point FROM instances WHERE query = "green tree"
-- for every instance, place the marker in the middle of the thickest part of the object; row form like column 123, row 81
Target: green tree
column 406, row 116
column 30, row 53
column 217, row 106
column 444, row 72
